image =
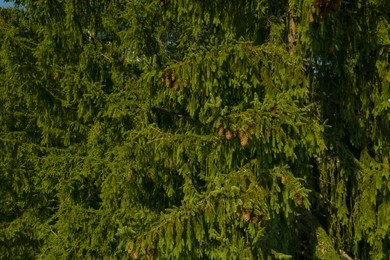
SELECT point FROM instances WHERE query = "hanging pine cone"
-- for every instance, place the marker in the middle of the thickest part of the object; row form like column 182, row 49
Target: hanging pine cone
column 221, row 131
column 255, row 218
column 135, row 254
column 246, row 215
column 283, row 179
column 268, row 132
column 311, row 18
column 298, row 199
column 168, row 82
column 184, row 83
column 243, row 138
column 228, row 134
column 176, row 85
column 240, row 133
column 251, row 130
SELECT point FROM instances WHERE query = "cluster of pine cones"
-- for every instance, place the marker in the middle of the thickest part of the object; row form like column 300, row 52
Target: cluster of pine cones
column 170, row 80
column 239, row 133
column 248, row 214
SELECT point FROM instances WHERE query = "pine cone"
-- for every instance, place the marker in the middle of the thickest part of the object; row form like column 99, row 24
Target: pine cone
column 168, row 82
column 243, row 139
column 220, row 131
column 184, row 83
column 283, row 179
column 251, row 130
column 298, row 199
column 268, row 132
column 228, row 134
column 176, row 86
column 255, row 218
column 246, row 216
column 240, row 133
column 311, row 18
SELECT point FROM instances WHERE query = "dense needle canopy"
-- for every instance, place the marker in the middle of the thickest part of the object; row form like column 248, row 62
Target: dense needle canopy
column 178, row 129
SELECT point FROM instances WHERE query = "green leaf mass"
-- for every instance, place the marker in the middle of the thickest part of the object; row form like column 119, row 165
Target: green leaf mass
column 177, row 129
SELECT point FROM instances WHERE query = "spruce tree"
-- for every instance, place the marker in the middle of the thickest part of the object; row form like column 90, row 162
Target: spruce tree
column 177, row 129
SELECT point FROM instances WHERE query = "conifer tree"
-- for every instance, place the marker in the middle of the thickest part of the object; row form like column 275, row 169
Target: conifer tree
column 177, row 129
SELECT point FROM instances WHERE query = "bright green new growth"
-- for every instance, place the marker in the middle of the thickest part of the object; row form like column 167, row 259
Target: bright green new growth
column 177, row 129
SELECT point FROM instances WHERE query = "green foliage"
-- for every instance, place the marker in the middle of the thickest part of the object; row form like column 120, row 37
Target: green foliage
column 178, row 129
